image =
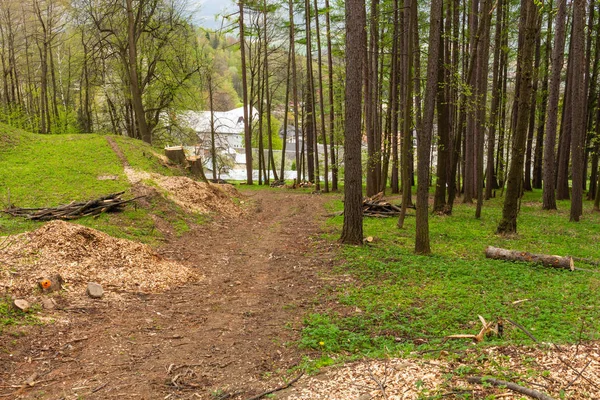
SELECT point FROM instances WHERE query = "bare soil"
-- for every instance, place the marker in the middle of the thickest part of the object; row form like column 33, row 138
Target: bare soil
column 230, row 333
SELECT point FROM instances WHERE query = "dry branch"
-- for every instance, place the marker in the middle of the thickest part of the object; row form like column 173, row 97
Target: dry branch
column 73, row 210
column 277, row 389
column 534, row 394
column 497, row 253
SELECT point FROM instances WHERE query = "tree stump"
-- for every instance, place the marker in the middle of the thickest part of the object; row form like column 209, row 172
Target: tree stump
column 175, row 154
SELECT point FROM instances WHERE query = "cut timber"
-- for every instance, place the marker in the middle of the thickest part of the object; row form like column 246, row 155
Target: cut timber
column 175, row 154
column 497, row 253
column 377, row 207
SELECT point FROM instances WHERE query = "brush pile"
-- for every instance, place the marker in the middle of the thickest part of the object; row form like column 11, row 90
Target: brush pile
column 377, row 207
column 73, row 210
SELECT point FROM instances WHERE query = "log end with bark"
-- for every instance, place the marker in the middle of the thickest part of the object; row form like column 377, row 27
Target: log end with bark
column 552, row 261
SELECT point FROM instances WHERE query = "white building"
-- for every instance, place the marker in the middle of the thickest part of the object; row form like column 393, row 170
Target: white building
column 228, row 127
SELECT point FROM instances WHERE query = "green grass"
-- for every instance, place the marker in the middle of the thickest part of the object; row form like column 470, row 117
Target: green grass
column 9, row 316
column 399, row 299
column 50, row 170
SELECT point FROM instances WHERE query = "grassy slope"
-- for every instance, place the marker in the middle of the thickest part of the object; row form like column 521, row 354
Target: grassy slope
column 401, row 297
column 49, row 170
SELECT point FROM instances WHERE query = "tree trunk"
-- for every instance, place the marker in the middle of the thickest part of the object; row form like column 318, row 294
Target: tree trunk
column 424, row 134
column 528, row 32
column 534, row 95
column 132, row 68
column 321, row 102
column 578, row 108
column 406, row 144
column 247, row 111
column 549, row 195
column 334, row 166
column 352, row 232
column 539, row 140
column 491, row 182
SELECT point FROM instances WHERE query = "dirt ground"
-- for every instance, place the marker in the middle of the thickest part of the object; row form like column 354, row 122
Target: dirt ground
column 225, row 335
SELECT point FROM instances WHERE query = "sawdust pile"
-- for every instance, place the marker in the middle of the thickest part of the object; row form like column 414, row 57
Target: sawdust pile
column 192, row 195
column 199, row 196
column 352, row 381
column 573, row 370
column 81, row 255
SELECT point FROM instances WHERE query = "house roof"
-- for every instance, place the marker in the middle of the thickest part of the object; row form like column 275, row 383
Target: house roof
column 226, row 122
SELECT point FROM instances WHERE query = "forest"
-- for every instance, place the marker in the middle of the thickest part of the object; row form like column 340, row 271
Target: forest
column 475, row 99
column 421, row 134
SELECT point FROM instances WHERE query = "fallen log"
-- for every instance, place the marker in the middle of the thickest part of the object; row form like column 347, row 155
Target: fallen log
column 534, row 394
column 497, row 253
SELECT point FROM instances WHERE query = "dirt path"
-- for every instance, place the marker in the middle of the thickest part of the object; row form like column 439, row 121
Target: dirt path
column 225, row 334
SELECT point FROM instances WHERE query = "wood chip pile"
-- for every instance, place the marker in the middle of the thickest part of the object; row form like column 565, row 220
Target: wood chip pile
column 574, row 369
column 377, row 207
column 73, row 210
column 192, row 195
column 399, row 377
column 81, row 255
column 200, row 197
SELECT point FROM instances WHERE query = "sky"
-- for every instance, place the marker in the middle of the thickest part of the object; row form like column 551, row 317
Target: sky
column 204, row 12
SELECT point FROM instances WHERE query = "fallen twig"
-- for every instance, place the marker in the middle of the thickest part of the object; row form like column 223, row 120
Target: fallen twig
column 98, row 388
column 277, row 389
column 521, row 327
column 380, row 384
column 578, row 375
column 510, row 385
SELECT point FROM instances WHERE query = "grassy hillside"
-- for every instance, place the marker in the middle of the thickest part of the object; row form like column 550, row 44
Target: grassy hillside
column 50, row 170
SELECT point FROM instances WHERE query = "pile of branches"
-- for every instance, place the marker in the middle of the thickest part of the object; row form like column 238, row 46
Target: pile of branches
column 377, row 207
column 112, row 202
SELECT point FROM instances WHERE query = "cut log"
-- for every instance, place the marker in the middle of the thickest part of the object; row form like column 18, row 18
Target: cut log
column 497, row 253
column 175, row 154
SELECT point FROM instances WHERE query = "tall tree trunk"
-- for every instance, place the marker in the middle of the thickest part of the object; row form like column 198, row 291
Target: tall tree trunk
column 424, row 135
column 539, row 139
column 321, row 102
column 534, row 95
column 549, row 195
column 334, row 166
column 352, row 231
column 527, row 32
column 371, row 103
column 295, row 91
column 285, row 115
column 271, row 159
column 491, row 182
column 564, row 140
column 482, row 89
column 134, row 83
column 443, row 113
column 406, row 144
column 578, row 107
column 247, row 110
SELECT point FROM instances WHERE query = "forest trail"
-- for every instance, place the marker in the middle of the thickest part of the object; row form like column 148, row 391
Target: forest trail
column 225, row 334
